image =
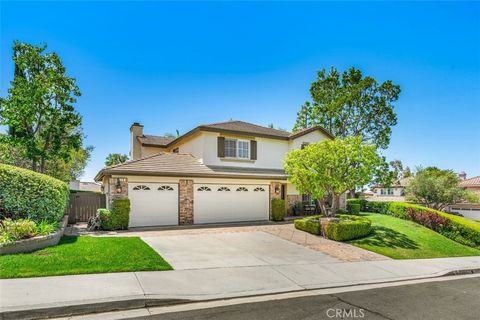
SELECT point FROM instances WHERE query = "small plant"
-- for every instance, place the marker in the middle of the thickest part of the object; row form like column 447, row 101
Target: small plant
column 45, row 227
column 118, row 217
column 13, row 230
column 278, row 209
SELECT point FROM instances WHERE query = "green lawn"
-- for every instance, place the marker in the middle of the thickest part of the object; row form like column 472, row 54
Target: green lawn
column 76, row 255
column 402, row 239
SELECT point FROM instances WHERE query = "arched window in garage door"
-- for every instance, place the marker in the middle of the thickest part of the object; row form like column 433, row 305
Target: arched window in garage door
column 165, row 188
column 141, row 187
column 204, row 188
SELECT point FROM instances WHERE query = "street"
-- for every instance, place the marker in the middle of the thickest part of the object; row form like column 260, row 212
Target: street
column 455, row 299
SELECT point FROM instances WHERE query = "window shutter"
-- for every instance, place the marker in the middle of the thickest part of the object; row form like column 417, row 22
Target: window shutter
column 221, row 147
column 253, row 150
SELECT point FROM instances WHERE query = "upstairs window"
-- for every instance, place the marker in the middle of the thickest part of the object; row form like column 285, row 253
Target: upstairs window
column 237, row 148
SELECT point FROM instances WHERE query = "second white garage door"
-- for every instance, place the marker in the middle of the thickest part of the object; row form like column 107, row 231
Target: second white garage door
column 230, row 203
column 153, row 204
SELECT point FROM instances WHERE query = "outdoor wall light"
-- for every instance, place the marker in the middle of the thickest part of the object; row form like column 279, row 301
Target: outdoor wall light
column 277, row 189
column 118, row 186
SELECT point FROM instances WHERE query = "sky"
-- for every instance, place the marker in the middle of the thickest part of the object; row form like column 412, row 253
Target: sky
column 175, row 65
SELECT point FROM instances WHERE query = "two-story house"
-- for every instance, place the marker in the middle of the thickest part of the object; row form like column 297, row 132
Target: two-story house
column 221, row 172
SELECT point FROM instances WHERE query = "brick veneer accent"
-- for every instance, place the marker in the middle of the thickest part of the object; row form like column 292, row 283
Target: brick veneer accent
column 113, row 192
column 185, row 201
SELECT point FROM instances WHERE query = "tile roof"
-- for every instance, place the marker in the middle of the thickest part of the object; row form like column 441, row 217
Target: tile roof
column 185, row 165
column 150, row 140
column 234, row 126
column 472, row 182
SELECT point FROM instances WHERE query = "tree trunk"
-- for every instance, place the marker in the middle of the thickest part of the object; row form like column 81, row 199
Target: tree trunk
column 34, row 165
column 323, row 208
column 335, row 203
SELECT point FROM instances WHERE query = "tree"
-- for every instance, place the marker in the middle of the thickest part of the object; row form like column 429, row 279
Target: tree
column 397, row 169
column 351, row 105
column 407, row 173
column 332, row 167
column 71, row 169
column 115, row 158
column 437, row 189
column 38, row 110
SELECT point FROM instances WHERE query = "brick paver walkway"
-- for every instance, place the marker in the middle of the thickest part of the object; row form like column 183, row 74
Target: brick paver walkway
column 287, row 231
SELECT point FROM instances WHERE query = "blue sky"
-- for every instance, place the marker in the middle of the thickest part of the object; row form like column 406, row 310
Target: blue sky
column 176, row 65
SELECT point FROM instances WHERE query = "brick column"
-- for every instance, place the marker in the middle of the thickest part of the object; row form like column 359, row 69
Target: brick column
column 118, row 188
column 185, row 201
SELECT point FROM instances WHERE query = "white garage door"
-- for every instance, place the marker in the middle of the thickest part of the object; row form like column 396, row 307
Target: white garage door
column 230, row 203
column 153, row 204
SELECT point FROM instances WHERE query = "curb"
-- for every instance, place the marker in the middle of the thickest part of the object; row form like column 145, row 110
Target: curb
column 146, row 302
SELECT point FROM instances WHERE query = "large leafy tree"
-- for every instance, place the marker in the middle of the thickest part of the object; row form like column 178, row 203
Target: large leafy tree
column 332, row 167
column 350, row 105
column 38, row 110
column 437, row 189
column 115, row 158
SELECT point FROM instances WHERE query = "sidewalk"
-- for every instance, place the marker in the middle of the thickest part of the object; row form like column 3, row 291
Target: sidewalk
column 64, row 295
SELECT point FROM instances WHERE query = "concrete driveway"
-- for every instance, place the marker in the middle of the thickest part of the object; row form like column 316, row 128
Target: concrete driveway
column 227, row 250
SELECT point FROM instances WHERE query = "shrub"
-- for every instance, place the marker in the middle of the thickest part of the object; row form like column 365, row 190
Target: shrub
column 13, row 230
column 348, row 228
column 309, row 224
column 44, row 227
column 298, row 208
column 361, row 202
column 278, row 209
column 353, row 208
column 457, row 228
column 118, row 217
column 25, row 194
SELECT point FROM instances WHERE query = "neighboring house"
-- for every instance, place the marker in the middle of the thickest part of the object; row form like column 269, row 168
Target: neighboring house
column 395, row 192
column 77, row 185
column 468, row 210
column 222, row 172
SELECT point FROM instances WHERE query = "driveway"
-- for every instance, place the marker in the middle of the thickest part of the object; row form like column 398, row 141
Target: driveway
column 229, row 250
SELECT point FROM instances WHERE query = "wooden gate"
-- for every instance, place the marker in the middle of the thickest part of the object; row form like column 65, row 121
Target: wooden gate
column 83, row 205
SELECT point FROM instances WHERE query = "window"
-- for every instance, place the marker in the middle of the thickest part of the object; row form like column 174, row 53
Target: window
column 141, row 187
column 304, row 144
column 382, row 191
column 165, row 188
column 390, row 191
column 204, row 188
column 223, row 189
column 242, row 189
column 237, row 149
column 258, row 189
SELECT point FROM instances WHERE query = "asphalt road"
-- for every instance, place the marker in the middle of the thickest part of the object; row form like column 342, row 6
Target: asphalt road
column 450, row 300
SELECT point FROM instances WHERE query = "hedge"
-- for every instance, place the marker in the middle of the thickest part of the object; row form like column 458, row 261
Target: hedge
column 349, row 228
column 457, row 228
column 308, row 224
column 353, row 208
column 25, row 194
column 118, row 217
column 278, row 209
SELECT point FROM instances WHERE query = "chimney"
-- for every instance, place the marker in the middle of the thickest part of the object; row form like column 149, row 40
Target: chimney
column 136, row 130
column 462, row 175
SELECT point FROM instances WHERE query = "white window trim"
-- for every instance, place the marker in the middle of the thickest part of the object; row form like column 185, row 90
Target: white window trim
column 237, row 142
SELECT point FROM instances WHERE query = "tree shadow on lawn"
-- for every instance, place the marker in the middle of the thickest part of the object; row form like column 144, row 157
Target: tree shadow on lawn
column 386, row 237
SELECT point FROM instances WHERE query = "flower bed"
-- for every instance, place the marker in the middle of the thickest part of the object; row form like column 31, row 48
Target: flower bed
column 34, row 243
column 457, row 228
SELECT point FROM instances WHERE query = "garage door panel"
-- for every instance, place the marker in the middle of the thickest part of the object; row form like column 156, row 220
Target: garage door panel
column 153, row 204
column 230, row 203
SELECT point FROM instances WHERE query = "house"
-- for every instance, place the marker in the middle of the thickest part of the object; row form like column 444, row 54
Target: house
column 215, row 173
column 395, row 192
column 468, row 210
column 78, row 185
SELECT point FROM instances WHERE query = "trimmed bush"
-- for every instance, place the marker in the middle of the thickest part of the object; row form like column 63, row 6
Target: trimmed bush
column 118, row 217
column 278, row 209
column 457, row 228
column 25, row 194
column 353, row 208
column 361, row 202
column 348, row 228
column 308, row 224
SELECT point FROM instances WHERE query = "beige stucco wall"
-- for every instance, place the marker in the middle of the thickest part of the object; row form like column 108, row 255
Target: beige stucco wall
column 396, row 192
column 312, row 137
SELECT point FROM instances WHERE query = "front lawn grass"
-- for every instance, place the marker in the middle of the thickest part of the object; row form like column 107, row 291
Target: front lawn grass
column 77, row 255
column 402, row 239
